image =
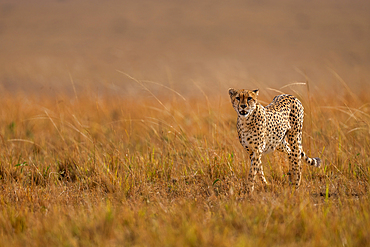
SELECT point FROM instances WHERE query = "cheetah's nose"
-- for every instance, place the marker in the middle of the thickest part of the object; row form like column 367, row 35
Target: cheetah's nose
column 243, row 106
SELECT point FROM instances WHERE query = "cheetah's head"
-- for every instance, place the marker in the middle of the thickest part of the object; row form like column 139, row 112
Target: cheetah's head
column 244, row 101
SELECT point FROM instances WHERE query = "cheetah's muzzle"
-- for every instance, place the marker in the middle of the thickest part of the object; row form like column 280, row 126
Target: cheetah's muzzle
column 243, row 112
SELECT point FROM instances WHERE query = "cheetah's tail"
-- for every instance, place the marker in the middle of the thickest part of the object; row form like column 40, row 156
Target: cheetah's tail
column 311, row 161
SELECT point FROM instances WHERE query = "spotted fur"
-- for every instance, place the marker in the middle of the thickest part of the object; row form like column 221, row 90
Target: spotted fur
column 277, row 126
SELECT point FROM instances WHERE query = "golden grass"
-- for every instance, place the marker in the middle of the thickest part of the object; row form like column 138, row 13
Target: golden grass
column 118, row 161
column 169, row 171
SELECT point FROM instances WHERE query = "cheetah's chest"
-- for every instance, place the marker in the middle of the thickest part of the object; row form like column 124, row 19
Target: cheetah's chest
column 264, row 132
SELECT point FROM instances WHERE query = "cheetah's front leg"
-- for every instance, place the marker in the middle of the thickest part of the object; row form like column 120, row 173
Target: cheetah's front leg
column 259, row 170
column 255, row 166
column 262, row 175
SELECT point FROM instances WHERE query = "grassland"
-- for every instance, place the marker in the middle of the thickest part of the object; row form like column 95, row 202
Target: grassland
column 90, row 156
column 98, row 170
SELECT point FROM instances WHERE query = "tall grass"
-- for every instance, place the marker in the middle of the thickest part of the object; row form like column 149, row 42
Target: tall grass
column 168, row 171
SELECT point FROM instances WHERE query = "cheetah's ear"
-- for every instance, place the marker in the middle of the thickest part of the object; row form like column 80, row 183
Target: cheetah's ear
column 232, row 92
column 256, row 91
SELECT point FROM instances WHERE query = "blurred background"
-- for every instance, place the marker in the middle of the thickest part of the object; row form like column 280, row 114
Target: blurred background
column 65, row 46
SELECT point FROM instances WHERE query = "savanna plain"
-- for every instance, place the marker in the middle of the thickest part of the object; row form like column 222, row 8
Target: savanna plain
column 116, row 128
column 113, row 171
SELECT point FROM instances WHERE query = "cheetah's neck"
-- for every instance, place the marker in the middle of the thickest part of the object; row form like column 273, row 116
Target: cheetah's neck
column 251, row 117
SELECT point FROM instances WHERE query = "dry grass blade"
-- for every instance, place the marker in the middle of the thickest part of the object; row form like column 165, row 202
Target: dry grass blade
column 294, row 84
column 344, row 84
column 51, row 120
column 147, row 89
column 159, row 84
column 23, row 140
column 275, row 90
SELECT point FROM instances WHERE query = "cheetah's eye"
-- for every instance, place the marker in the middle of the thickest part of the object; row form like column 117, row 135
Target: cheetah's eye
column 237, row 98
column 249, row 98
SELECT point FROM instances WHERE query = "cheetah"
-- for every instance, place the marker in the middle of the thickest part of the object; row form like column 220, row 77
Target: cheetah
column 277, row 126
